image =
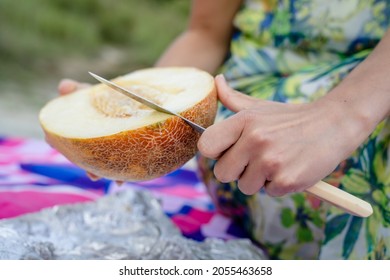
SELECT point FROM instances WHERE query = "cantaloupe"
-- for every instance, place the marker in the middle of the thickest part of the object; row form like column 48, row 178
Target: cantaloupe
column 112, row 136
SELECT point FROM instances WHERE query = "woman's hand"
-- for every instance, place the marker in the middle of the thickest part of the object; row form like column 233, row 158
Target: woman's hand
column 67, row 86
column 284, row 147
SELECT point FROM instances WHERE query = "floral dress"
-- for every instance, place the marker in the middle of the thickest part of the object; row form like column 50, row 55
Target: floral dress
column 296, row 51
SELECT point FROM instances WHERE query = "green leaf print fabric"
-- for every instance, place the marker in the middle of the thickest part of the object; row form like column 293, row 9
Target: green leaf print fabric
column 297, row 51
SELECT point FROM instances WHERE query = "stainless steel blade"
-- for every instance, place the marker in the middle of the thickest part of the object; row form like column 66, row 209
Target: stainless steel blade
column 145, row 101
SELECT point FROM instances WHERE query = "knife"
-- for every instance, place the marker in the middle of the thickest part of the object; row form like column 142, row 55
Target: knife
column 146, row 101
column 324, row 191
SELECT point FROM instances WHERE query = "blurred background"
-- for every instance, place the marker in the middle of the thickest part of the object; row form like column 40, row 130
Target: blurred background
column 43, row 41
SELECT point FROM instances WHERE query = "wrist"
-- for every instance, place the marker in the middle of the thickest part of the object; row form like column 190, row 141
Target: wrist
column 353, row 123
column 364, row 99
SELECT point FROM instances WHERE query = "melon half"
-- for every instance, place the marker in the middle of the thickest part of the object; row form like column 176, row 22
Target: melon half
column 112, row 136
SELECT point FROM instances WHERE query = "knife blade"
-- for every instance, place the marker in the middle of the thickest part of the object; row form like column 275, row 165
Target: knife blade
column 146, row 101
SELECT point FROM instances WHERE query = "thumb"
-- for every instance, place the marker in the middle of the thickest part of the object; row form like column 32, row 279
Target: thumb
column 233, row 100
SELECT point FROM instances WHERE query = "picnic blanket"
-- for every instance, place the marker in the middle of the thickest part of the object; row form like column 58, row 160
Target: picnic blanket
column 34, row 176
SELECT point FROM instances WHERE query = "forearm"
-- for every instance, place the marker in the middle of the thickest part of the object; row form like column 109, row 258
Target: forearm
column 195, row 49
column 363, row 98
column 206, row 41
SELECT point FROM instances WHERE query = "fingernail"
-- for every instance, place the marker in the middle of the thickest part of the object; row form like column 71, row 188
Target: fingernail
column 66, row 86
column 92, row 176
column 221, row 76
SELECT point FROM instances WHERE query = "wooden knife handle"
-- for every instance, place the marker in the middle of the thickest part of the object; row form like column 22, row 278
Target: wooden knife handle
column 341, row 199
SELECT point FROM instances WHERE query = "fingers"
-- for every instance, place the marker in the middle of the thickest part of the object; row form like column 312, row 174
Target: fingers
column 232, row 163
column 67, row 86
column 252, row 180
column 93, row 177
column 224, row 141
column 220, row 136
column 283, row 184
column 275, row 188
column 231, row 99
column 236, row 164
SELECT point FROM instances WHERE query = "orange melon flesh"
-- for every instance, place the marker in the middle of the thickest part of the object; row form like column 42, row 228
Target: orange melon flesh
column 115, row 137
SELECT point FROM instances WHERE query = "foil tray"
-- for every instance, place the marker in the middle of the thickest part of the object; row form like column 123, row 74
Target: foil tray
column 129, row 224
